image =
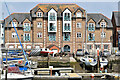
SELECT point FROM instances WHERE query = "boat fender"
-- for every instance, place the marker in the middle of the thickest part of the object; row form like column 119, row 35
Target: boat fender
column 101, row 69
column 20, row 62
column 92, row 75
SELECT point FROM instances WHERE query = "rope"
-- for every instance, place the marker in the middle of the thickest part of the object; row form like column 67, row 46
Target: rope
column 17, row 35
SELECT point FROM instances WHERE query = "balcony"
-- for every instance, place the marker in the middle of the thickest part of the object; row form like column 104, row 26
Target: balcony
column 52, row 18
column 66, row 18
column 52, row 28
column 66, row 37
column 26, row 28
column 26, row 38
column 67, row 29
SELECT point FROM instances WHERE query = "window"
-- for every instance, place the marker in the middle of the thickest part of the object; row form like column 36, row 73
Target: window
column 39, row 24
column 26, row 36
column 14, row 24
column 79, row 35
column 14, row 35
column 39, row 35
column 26, row 27
column 52, row 17
column 39, row 14
column 103, row 24
column 103, row 35
column 67, row 27
column 89, row 46
column 105, row 46
column 66, row 37
column 67, row 17
column 52, row 27
column 52, row 37
column 78, row 25
column 91, row 37
column 91, row 27
column 97, row 46
column 79, row 14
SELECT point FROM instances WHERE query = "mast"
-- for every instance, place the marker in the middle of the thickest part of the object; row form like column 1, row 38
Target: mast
column 86, row 33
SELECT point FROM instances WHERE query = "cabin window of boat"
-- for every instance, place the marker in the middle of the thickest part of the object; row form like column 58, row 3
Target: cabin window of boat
column 39, row 14
column 105, row 46
column 39, row 24
column 14, row 35
column 103, row 24
column 14, row 24
column 78, row 25
column 79, row 14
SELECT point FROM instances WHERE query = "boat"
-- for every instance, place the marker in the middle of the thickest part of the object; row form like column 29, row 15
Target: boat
column 103, row 61
column 88, row 60
column 38, row 52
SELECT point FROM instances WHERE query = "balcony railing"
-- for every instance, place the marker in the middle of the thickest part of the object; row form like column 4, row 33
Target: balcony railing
column 26, row 38
column 66, row 38
column 26, row 28
column 52, row 28
column 66, row 18
column 66, row 28
column 52, row 18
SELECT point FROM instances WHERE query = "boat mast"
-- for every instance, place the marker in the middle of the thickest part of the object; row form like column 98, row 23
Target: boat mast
column 86, row 33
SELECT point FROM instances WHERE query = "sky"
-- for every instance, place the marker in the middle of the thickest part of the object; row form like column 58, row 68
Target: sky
column 105, row 8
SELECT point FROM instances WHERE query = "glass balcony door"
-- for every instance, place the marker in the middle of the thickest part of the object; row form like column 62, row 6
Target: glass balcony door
column 52, row 27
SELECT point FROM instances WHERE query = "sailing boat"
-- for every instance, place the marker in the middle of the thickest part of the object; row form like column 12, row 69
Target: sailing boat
column 14, row 72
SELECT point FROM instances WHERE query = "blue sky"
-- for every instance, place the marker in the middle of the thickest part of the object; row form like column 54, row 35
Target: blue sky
column 105, row 8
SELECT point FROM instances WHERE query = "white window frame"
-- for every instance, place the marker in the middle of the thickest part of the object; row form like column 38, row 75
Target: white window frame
column 103, row 36
column 14, row 35
column 103, row 23
column 78, row 33
column 79, row 14
column 15, row 24
column 39, row 35
column 105, row 46
column 78, row 25
column 38, row 24
column 26, row 24
column 26, row 34
column 39, row 14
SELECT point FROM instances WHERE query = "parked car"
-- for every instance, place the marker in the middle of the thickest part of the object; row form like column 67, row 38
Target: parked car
column 117, row 53
column 106, row 53
column 79, row 52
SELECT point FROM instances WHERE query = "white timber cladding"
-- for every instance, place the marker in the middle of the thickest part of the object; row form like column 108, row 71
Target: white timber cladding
column 54, row 22
column 66, row 22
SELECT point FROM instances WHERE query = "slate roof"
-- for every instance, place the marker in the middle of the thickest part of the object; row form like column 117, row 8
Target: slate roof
column 20, row 17
column 97, row 17
column 116, row 15
column 59, row 7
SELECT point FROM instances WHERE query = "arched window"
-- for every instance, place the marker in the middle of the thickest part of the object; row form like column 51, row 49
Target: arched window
column 66, row 48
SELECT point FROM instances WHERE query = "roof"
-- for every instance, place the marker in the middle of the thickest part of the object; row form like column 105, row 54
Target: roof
column 52, row 46
column 116, row 15
column 20, row 17
column 59, row 7
column 97, row 17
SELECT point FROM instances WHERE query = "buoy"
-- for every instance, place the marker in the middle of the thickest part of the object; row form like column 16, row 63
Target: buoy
column 101, row 69
column 20, row 62
column 92, row 75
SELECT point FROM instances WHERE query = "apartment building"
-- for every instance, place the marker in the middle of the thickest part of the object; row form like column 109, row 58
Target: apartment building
column 116, row 29
column 99, row 32
column 59, row 27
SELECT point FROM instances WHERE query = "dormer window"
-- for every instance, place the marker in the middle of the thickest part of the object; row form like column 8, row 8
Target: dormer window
column 14, row 24
column 103, row 24
column 67, row 17
column 91, row 27
column 79, row 14
column 39, row 14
